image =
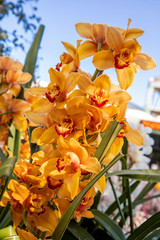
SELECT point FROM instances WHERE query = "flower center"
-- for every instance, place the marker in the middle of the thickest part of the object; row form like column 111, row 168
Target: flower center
column 74, row 160
column 65, row 127
column 53, row 92
column 123, row 58
column 100, row 98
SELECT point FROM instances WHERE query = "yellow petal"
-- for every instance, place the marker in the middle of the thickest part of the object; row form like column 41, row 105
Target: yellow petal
column 37, row 91
column 101, row 184
column 125, row 77
column 19, row 121
column 19, row 191
column 48, row 136
column 103, row 60
column 87, row 49
column 15, row 89
column 24, row 235
column 85, row 30
column 18, row 105
column 46, row 221
column 70, row 48
column 24, row 78
column 6, row 63
column 85, row 84
column 133, row 33
column 41, row 106
column 36, row 133
column 91, row 165
column 114, row 150
column 103, row 82
column 119, row 97
column 114, row 39
column 99, row 32
column 144, row 61
column 57, row 78
column 36, row 119
column 72, row 182
column 135, row 137
column 71, row 82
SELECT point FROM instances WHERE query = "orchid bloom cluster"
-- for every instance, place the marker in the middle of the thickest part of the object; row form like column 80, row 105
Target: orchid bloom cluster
column 69, row 115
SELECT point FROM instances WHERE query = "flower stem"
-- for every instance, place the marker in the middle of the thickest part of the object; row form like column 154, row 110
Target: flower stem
column 5, row 113
column 27, row 224
column 97, row 72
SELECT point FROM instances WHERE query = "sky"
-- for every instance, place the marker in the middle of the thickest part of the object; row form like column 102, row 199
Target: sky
column 60, row 17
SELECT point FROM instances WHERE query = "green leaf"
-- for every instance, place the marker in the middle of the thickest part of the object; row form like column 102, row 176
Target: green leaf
column 79, row 232
column 33, row 146
column 31, row 58
column 64, row 221
column 7, row 232
column 122, row 198
column 141, row 174
column 68, row 236
column 111, row 227
column 108, row 138
column 6, row 170
column 14, row 140
column 147, row 227
column 117, row 200
column 155, row 233
column 145, row 191
column 12, row 133
column 2, row 156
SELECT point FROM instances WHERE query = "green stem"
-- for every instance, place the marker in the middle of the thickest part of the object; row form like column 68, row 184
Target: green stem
column 126, row 185
column 42, row 235
column 27, row 224
column 5, row 113
column 95, row 75
column 4, row 91
column 117, row 201
column 17, row 143
column 97, row 72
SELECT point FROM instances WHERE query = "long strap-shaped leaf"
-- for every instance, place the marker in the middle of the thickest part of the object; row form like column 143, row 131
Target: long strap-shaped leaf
column 8, row 233
column 155, row 234
column 79, row 232
column 63, row 223
column 6, row 170
column 111, row 227
column 122, row 198
column 108, row 138
column 148, row 226
column 141, row 174
column 31, row 58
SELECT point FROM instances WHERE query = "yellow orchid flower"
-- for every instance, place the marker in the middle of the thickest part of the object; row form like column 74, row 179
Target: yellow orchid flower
column 78, row 156
column 58, row 122
column 130, row 33
column 11, row 76
column 70, row 61
column 101, row 92
column 96, row 33
column 125, row 55
column 56, row 92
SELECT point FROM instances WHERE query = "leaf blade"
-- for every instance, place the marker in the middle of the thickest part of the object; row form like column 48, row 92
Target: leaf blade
column 111, row 227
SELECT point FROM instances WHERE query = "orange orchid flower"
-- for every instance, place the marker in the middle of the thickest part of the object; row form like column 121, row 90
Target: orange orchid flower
column 11, row 76
column 125, row 55
column 70, row 61
column 96, row 33
column 56, row 92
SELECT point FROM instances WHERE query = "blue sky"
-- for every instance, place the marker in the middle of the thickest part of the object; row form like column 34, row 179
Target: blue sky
column 59, row 18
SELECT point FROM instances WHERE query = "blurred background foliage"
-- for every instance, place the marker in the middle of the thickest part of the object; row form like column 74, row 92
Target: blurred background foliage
column 27, row 19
